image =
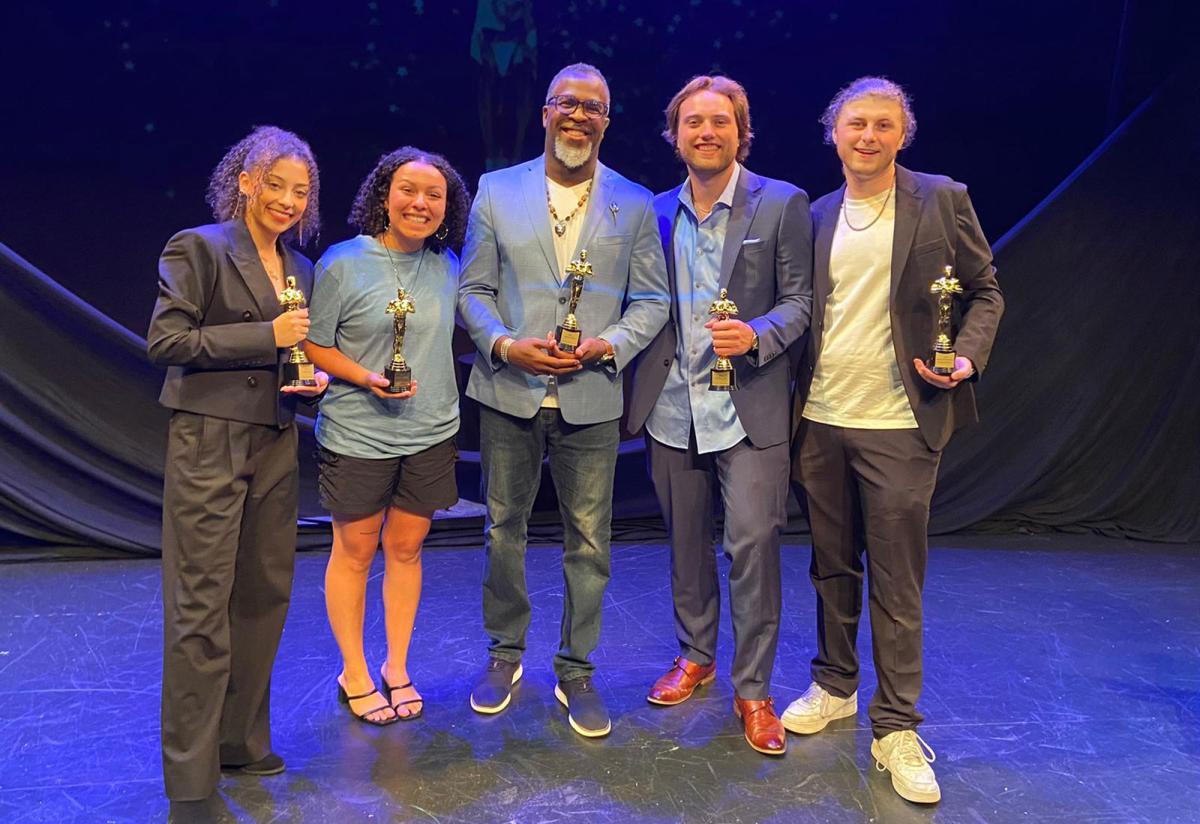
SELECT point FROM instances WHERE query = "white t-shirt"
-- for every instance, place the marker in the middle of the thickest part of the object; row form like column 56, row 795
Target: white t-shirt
column 857, row 382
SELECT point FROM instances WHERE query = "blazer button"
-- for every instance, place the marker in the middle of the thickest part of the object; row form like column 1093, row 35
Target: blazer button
column 252, row 381
column 666, row 361
column 247, row 316
column 562, row 300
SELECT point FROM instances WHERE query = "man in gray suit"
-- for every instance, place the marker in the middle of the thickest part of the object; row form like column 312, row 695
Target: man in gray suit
column 530, row 225
column 872, row 418
column 725, row 228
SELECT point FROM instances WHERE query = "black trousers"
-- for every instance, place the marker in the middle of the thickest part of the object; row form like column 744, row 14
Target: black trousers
column 229, row 544
column 753, row 486
column 868, row 490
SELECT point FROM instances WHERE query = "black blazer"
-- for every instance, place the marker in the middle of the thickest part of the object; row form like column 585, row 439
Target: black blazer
column 936, row 227
column 212, row 325
column 766, row 264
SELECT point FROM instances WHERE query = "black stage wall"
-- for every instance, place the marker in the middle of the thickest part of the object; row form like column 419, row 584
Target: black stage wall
column 116, row 112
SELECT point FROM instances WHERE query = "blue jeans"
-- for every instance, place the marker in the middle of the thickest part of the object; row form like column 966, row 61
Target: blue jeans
column 583, row 460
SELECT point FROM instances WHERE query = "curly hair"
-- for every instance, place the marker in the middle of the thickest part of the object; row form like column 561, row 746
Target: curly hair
column 369, row 212
column 255, row 154
column 721, row 85
column 871, row 87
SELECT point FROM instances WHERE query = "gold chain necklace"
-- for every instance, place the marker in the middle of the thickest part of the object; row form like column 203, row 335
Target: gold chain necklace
column 874, row 220
column 560, row 225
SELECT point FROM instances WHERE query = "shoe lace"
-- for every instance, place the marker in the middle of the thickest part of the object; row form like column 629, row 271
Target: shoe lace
column 813, row 696
column 912, row 750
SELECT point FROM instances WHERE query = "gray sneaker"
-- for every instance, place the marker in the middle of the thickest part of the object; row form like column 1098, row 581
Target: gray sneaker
column 493, row 690
column 585, row 707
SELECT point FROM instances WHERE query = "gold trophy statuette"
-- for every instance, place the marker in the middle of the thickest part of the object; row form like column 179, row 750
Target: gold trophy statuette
column 941, row 360
column 298, row 369
column 398, row 372
column 568, row 334
column 722, row 378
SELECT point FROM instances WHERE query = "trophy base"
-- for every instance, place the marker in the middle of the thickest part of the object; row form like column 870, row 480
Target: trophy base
column 567, row 339
column 721, row 380
column 299, row 374
column 399, row 380
column 942, row 363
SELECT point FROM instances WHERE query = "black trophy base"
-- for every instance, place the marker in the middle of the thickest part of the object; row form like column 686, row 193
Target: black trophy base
column 399, row 380
column 567, row 339
column 941, row 363
column 299, row 374
column 722, row 380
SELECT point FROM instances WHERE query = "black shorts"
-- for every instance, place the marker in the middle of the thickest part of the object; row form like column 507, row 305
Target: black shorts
column 420, row 483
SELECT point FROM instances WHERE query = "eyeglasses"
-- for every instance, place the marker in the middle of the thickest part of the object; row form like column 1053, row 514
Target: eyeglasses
column 566, row 104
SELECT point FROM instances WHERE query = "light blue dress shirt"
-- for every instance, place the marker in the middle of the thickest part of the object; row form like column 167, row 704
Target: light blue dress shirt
column 686, row 402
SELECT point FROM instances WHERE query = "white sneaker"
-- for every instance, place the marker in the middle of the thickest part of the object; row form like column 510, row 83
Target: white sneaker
column 907, row 757
column 813, row 711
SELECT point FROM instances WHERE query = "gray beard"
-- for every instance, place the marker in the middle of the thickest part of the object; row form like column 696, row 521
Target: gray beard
column 570, row 157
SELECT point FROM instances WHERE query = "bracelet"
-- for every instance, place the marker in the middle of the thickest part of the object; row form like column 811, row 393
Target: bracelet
column 504, row 349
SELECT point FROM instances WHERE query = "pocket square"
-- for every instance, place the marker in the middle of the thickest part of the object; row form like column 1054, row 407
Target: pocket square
column 750, row 241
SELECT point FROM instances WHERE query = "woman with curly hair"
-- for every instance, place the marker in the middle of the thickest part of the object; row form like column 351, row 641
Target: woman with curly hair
column 230, row 486
column 387, row 458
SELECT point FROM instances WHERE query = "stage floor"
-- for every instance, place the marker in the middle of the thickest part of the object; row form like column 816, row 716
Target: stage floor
column 1062, row 684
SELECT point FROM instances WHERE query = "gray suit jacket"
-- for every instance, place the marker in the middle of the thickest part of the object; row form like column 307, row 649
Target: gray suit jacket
column 212, row 325
column 766, row 265
column 936, row 227
column 510, row 285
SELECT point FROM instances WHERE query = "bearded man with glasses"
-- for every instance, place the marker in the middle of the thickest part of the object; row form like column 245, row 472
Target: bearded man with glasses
column 528, row 224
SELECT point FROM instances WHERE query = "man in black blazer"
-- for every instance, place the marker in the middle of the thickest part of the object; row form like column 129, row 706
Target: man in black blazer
column 872, row 419
column 725, row 228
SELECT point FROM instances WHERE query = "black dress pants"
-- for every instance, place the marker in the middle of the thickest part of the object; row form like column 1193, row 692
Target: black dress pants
column 868, row 490
column 229, row 544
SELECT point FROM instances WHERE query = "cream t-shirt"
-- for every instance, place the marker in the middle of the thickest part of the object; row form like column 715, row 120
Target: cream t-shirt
column 857, row 382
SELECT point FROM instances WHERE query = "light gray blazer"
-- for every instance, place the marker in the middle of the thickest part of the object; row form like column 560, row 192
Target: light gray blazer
column 511, row 285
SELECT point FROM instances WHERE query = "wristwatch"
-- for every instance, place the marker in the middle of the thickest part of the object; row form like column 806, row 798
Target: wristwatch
column 609, row 355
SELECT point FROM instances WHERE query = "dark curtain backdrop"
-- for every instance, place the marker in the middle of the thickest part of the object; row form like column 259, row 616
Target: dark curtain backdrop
column 1089, row 402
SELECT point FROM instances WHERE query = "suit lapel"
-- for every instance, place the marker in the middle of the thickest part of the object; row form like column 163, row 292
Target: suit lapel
column 598, row 211
column 822, row 250
column 533, row 185
column 746, row 195
column 666, row 208
column 908, row 212
column 246, row 261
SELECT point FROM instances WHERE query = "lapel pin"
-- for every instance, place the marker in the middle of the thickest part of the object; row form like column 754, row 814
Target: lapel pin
column 614, row 208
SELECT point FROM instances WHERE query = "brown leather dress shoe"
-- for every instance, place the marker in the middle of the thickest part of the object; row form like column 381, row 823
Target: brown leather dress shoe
column 680, row 682
column 764, row 730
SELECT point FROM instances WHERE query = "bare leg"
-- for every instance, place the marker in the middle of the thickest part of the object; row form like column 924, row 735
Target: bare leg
column 403, row 534
column 355, row 539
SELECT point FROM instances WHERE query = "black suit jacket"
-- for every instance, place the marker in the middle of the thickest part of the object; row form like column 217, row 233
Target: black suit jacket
column 766, row 264
column 212, row 325
column 936, row 227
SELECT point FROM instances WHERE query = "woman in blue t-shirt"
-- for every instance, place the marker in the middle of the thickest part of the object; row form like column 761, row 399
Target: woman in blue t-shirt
column 386, row 458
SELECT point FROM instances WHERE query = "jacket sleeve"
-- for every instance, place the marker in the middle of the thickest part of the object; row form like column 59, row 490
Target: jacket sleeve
column 647, row 296
column 982, row 301
column 178, row 336
column 789, row 317
column 479, row 279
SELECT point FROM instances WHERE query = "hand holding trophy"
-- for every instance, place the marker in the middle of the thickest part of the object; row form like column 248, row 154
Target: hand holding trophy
column 568, row 335
column 941, row 359
column 298, row 371
column 398, row 372
column 722, row 378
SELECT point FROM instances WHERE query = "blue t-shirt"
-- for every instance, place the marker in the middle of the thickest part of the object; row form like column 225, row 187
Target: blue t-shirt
column 355, row 283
